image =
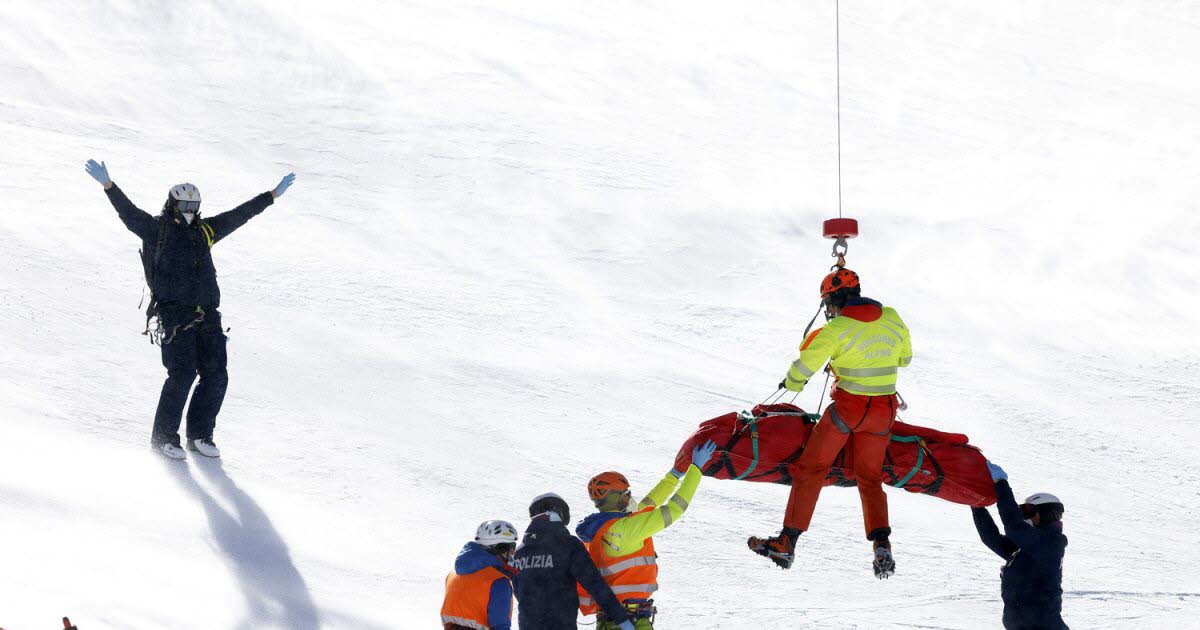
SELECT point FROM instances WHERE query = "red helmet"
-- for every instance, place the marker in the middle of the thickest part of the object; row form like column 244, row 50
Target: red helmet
column 605, row 482
column 840, row 279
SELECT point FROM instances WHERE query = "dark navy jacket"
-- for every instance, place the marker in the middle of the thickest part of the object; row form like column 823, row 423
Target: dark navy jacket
column 185, row 275
column 474, row 558
column 551, row 561
column 1031, row 580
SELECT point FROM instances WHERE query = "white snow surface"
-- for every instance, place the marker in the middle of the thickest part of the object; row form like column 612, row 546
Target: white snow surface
column 530, row 241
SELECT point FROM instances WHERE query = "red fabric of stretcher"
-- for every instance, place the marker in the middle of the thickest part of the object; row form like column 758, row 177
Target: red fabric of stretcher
column 919, row 459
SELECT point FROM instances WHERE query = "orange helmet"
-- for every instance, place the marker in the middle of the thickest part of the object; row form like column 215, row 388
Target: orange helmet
column 605, row 482
column 840, row 279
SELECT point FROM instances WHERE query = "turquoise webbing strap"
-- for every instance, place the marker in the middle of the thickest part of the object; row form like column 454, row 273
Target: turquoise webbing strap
column 752, row 423
column 920, row 458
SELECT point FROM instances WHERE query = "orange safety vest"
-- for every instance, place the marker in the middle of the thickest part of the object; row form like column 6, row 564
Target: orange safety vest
column 466, row 602
column 634, row 576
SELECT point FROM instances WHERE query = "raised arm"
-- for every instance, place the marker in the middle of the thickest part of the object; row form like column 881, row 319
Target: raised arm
column 225, row 223
column 1016, row 529
column 990, row 535
column 628, row 534
column 135, row 219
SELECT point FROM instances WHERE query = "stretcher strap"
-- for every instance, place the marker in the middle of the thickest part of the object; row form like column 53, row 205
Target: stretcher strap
column 751, row 423
column 920, row 458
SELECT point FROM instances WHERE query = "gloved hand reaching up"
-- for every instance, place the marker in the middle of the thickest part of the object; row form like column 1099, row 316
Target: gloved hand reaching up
column 700, row 457
column 284, row 184
column 702, row 454
column 99, row 172
column 997, row 472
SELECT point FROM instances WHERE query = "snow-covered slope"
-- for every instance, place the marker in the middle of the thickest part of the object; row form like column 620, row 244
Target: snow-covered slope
column 531, row 241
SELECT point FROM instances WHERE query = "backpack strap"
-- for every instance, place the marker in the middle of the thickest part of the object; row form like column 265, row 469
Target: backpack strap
column 159, row 244
column 208, row 232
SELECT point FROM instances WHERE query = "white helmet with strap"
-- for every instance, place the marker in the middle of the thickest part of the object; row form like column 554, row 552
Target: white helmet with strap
column 492, row 533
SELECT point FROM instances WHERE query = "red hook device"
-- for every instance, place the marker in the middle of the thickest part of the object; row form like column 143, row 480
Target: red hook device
column 840, row 230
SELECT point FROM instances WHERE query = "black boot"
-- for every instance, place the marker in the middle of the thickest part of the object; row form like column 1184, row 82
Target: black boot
column 884, row 564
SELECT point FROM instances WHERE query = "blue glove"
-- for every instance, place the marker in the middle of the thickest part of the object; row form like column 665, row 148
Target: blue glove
column 701, row 454
column 284, row 184
column 99, row 172
column 997, row 472
column 626, row 625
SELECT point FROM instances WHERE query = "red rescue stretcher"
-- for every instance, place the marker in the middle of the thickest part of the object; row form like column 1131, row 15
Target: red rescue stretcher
column 761, row 445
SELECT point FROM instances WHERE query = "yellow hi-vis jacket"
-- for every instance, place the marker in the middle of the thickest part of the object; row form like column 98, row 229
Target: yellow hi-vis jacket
column 622, row 545
column 865, row 346
column 629, row 533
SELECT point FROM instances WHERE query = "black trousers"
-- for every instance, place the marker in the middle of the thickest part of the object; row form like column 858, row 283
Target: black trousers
column 1033, row 618
column 193, row 345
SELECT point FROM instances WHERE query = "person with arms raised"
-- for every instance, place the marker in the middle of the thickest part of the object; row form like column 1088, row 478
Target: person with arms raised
column 1033, row 546
column 184, row 302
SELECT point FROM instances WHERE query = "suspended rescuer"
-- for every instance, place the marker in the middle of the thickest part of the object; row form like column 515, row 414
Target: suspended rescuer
column 865, row 344
column 552, row 564
column 1033, row 546
column 479, row 592
column 184, row 298
column 621, row 543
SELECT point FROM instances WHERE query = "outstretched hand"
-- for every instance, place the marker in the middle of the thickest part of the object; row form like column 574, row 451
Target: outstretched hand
column 99, row 172
column 702, row 454
column 284, row 184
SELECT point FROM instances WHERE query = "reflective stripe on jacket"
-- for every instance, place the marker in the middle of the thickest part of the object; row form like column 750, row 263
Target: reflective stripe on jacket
column 865, row 346
column 632, row 576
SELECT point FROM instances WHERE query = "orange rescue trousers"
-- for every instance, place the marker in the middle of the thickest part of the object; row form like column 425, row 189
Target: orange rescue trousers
column 865, row 421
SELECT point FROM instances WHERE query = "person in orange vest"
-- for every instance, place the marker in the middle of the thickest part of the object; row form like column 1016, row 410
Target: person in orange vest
column 865, row 343
column 479, row 593
column 621, row 543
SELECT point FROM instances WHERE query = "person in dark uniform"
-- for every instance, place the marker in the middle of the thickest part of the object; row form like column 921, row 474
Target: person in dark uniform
column 177, row 256
column 1033, row 546
column 551, row 562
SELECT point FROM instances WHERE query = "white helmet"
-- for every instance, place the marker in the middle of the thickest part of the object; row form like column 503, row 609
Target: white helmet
column 186, row 197
column 1045, row 504
column 492, row 533
column 1042, row 498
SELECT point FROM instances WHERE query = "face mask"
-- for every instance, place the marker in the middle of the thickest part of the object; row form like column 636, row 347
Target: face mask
column 189, row 217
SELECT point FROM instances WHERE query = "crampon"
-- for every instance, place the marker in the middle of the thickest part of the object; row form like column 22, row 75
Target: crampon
column 780, row 549
column 884, row 564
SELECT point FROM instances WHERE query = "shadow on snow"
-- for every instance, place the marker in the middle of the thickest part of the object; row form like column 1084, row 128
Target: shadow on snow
column 275, row 591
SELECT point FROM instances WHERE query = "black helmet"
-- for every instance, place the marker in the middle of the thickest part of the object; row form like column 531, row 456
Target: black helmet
column 550, row 502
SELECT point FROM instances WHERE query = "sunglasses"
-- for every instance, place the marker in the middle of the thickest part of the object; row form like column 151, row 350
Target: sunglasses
column 187, row 206
column 1028, row 510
